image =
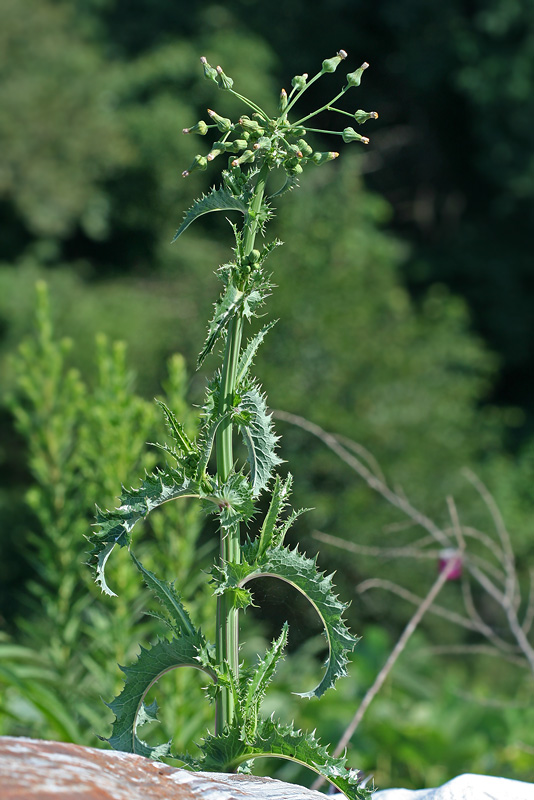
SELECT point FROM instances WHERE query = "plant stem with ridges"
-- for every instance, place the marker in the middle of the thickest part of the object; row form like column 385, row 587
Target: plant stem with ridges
column 227, row 643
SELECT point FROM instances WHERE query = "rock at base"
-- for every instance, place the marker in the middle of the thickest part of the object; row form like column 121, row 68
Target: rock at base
column 32, row 769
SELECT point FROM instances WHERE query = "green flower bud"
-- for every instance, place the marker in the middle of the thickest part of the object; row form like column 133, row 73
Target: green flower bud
column 331, row 64
column 295, row 151
column 282, row 105
column 223, row 80
column 350, row 135
column 201, row 128
column 322, row 158
column 223, row 123
column 254, row 256
column 224, row 146
column 245, row 158
column 298, row 133
column 355, row 78
column 251, row 125
column 291, row 162
column 237, row 145
column 216, row 150
column 199, row 162
column 209, row 72
column 304, row 147
column 299, row 81
column 362, row 116
column 296, row 169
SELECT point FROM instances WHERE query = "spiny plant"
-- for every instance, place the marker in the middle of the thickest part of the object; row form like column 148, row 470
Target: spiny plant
column 260, row 147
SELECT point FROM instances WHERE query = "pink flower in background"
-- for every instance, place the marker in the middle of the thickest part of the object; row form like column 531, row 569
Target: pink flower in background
column 455, row 569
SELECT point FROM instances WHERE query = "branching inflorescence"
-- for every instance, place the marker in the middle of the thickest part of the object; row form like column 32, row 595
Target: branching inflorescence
column 257, row 146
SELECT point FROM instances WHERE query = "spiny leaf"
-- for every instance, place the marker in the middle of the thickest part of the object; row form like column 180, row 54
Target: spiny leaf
column 115, row 527
column 301, row 572
column 224, row 753
column 256, row 685
column 167, row 595
column 268, row 248
column 280, row 493
column 176, row 429
column 170, row 451
column 290, row 184
column 257, row 291
column 232, row 500
column 247, row 356
column 227, row 305
column 151, row 664
column 282, row 528
column 256, row 428
column 216, row 200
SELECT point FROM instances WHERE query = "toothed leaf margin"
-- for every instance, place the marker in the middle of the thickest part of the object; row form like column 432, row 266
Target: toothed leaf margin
column 300, row 572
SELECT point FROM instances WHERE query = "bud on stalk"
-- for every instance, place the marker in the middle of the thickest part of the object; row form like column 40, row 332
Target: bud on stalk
column 251, row 125
column 331, row 64
column 304, row 147
column 199, row 162
column 362, row 116
column 245, row 158
column 201, row 128
column 322, row 158
column 223, row 80
column 223, row 123
column 209, row 72
column 355, row 78
column 299, row 81
column 350, row 135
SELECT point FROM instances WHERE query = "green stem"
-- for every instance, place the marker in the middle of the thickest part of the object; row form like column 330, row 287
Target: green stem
column 301, row 92
column 340, row 111
column 227, row 642
column 320, row 130
column 249, row 103
column 323, row 108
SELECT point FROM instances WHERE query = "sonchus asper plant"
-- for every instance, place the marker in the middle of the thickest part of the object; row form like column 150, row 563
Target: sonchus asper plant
column 256, row 146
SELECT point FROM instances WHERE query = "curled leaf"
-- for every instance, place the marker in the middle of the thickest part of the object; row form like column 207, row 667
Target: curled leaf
column 129, row 709
column 300, row 572
column 115, row 527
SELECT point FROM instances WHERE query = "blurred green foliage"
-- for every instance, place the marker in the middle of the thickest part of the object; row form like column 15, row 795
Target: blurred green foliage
column 56, row 668
column 371, row 342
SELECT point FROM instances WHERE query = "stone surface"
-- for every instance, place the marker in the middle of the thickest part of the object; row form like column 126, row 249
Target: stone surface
column 32, row 769
column 466, row 787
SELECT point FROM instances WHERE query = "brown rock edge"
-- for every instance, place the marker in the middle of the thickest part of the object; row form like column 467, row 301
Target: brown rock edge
column 33, row 769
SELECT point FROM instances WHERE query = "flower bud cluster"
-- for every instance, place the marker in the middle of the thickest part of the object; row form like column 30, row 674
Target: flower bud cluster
column 259, row 139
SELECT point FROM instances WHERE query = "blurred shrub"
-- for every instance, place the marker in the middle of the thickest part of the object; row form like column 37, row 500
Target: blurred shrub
column 61, row 657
